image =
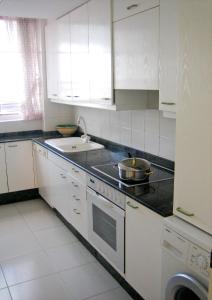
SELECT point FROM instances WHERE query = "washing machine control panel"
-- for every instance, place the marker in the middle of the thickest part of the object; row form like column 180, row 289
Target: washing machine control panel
column 199, row 260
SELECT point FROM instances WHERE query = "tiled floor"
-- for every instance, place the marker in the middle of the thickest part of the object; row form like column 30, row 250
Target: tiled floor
column 40, row 259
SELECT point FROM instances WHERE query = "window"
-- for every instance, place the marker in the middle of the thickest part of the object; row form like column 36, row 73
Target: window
column 21, row 88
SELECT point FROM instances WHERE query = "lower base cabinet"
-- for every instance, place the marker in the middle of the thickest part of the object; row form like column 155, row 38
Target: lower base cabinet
column 60, row 185
column 143, row 250
column 3, row 171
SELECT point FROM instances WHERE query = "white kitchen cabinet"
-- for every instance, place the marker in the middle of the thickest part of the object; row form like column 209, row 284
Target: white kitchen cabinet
column 100, row 51
column 79, row 54
column 43, row 172
column 64, row 58
column 143, row 250
column 136, row 51
column 169, row 56
column 126, row 8
column 20, row 167
column 193, row 168
column 3, row 171
column 51, row 60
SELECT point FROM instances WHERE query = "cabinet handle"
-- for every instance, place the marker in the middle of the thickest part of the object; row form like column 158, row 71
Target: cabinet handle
column 76, row 212
column 54, row 95
column 12, row 146
column 76, row 171
column 184, row 212
column 168, row 103
column 105, row 99
column 132, row 6
column 76, row 96
column 132, row 206
column 74, row 184
column 68, row 96
column 75, row 197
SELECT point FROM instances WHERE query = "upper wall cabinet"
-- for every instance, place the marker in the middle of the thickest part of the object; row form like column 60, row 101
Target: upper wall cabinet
column 79, row 54
column 136, row 46
column 100, row 50
column 168, row 55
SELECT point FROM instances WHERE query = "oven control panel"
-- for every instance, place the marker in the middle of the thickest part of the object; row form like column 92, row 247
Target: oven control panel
column 199, row 260
column 107, row 191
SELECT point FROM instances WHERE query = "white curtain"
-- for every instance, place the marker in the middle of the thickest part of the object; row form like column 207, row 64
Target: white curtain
column 21, row 76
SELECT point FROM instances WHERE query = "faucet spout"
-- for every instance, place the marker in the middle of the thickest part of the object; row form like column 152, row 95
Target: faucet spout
column 85, row 137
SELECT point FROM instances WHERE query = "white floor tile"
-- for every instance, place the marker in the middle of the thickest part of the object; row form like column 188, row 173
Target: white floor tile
column 8, row 211
column 55, row 237
column 5, row 295
column 41, row 219
column 18, row 243
column 117, row 294
column 69, row 256
column 27, row 267
column 2, row 281
column 46, row 288
column 13, row 224
column 31, row 206
column 88, row 280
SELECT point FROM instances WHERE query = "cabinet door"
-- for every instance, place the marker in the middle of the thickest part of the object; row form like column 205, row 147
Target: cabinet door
column 20, row 168
column 79, row 207
column 168, row 55
column 100, row 48
column 3, row 171
column 43, row 172
column 136, row 50
column 64, row 58
column 143, row 250
column 60, row 192
column 79, row 53
column 51, row 60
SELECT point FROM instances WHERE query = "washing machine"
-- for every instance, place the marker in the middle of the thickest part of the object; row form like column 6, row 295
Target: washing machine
column 185, row 261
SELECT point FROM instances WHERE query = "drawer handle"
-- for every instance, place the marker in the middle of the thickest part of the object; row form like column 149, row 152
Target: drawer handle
column 76, row 171
column 168, row 103
column 76, row 211
column 12, row 146
column 184, row 212
column 75, row 197
column 132, row 6
column 132, row 206
column 55, row 95
column 74, row 184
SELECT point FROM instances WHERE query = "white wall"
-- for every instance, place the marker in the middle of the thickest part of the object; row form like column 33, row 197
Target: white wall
column 145, row 130
column 14, row 126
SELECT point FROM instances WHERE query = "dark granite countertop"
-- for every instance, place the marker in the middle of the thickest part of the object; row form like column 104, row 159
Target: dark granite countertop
column 26, row 135
column 156, row 196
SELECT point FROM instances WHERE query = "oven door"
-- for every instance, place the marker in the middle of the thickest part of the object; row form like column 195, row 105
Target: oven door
column 106, row 228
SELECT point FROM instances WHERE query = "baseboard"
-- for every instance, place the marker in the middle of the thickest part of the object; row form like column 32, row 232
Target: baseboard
column 19, row 196
column 126, row 286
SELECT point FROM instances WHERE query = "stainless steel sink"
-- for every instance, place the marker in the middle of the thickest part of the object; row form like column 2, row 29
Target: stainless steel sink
column 73, row 144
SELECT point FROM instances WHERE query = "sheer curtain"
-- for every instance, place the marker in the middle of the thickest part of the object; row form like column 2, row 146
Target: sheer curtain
column 21, row 76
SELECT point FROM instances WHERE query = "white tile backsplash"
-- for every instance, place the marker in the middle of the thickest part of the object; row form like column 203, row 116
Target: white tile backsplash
column 145, row 130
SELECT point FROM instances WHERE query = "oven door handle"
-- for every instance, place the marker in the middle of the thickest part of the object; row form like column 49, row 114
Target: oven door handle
column 105, row 202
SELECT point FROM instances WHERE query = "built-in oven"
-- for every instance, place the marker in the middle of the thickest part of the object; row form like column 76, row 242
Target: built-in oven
column 106, row 219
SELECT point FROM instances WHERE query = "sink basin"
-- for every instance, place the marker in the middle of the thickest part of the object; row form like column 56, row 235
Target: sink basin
column 73, row 144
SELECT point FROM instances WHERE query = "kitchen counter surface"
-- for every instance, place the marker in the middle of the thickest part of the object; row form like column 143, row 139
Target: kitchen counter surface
column 156, row 196
column 26, row 135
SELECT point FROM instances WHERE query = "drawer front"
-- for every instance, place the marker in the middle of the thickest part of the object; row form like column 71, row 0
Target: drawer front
column 74, row 171
column 41, row 150
column 126, row 8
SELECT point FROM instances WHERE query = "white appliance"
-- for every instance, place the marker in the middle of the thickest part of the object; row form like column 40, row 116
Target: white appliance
column 185, row 261
column 106, row 221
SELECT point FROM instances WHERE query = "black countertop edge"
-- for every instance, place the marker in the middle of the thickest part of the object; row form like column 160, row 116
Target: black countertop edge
column 26, row 135
column 157, row 196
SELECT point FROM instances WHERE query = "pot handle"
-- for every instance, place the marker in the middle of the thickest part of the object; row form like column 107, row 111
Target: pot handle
column 148, row 173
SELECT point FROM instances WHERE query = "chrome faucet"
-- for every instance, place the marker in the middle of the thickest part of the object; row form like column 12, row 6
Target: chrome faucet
column 85, row 137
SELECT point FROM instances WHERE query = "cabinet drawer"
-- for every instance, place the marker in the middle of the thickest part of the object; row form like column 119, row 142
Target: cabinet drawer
column 126, row 8
column 74, row 171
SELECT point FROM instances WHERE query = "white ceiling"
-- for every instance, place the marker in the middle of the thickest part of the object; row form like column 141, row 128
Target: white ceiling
column 46, row 9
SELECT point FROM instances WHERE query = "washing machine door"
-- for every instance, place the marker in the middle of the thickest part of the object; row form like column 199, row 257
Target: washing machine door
column 185, row 287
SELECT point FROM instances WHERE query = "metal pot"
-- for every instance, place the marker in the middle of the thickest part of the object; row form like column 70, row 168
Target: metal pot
column 135, row 169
